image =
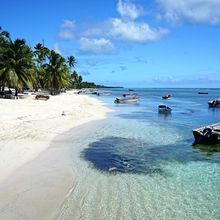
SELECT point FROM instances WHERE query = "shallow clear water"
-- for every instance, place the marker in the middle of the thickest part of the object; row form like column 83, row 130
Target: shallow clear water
column 138, row 164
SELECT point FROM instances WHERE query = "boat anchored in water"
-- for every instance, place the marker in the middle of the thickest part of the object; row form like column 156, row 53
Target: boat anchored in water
column 104, row 93
column 214, row 103
column 207, row 135
column 164, row 109
column 167, row 97
column 127, row 100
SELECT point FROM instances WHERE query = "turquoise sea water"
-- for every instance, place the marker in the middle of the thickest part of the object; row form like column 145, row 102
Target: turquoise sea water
column 138, row 164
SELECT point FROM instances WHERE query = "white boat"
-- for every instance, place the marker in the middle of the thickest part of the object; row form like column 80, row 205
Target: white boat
column 164, row 109
column 104, row 93
column 214, row 103
column 127, row 100
column 129, row 94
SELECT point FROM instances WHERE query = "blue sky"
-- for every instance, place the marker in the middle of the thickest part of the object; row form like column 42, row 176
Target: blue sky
column 139, row 43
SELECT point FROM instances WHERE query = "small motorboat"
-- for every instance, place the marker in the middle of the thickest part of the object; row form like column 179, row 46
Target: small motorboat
column 203, row 93
column 207, row 135
column 167, row 97
column 103, row 93
column 214, row 103
column 87, row 91
column 127, row 100
column 42, row 97
column 129, row 94
column 164, row 109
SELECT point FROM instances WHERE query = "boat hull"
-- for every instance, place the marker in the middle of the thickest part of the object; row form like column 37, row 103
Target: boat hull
column 201, row 138
column 126, row 101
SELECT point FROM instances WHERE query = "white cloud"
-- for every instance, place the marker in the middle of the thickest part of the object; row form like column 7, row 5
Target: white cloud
column 57, row 48
column 66, row 31
column 68, row 24
column 126, row 27
column 97, row 46
column 129, row 10
column 66, row 34
column 135, row 31
column 191, row 11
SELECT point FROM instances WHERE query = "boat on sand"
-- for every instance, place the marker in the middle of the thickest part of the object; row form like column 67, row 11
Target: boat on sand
column 42, row 97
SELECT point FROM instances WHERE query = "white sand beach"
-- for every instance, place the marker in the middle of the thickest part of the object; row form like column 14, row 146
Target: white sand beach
column 27, row 128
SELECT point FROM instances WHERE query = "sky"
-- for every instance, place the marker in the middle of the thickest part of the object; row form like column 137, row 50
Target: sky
column 131, row 43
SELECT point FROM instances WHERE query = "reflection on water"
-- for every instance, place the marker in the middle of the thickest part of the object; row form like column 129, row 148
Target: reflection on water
column 209, row 149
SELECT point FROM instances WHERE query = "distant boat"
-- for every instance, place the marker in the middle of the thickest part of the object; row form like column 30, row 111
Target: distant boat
column 87, row 91
column 214, row 103
column 167, row 97
column 164, row 109
column 104, row 93
column 207, row 135
column 129, row 94
column 127, row 100
column 203, row 93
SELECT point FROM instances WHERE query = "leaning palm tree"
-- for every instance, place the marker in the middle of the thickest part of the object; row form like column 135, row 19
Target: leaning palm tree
column 56, row 73
column 16, row 64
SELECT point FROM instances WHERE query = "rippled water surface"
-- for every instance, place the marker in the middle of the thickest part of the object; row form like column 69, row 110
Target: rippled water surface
column 139, row 164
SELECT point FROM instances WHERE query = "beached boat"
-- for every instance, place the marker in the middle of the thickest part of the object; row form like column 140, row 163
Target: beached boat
column 207, row 135
column 167, row 97
column 42, row 97
column 127, row 100
column 214, row 103
column 104, row 93
column 164, row 109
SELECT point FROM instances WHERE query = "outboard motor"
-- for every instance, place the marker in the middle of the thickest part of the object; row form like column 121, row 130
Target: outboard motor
column 207, row 132
column 116, row 100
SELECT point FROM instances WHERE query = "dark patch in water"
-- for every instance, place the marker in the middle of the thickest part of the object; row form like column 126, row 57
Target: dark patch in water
column 127, row 155
column 122, row 155
column 135, row 115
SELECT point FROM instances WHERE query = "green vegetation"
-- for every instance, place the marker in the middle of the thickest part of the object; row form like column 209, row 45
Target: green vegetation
column 22, row 68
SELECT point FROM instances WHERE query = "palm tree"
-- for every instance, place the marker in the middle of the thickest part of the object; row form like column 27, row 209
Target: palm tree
column 4, row 36
column 57, row 74
column 41, row 53
column 80, row 79
column 75, row 76
column 16, row 64
column 71, row 61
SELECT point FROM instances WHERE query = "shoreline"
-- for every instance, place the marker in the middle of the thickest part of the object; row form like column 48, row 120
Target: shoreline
column 44, row 183
column 35, row 158
column 38, row 122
